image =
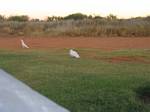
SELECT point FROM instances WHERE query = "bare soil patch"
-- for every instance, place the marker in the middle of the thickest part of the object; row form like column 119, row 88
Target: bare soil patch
column 79, row 42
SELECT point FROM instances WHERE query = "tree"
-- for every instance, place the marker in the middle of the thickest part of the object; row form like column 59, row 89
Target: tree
column 98, row 17
column 35, row 20
column 111, row 17
column 22, row 18
column 147, row 18
column 54, row 18
column 76, row 16
column 2, row 18
column 90, row 17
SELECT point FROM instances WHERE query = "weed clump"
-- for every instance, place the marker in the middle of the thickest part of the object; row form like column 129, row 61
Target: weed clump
column 143, row 93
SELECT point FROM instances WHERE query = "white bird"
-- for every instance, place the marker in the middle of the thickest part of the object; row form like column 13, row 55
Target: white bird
column 73, row 53
column 23, row 44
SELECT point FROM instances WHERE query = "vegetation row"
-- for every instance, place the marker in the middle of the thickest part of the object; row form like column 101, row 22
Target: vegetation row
column 75, row 25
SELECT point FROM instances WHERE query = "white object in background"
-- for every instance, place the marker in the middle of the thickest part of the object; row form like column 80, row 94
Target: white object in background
column 23, row 44
column 15, row 96
column 73, row 53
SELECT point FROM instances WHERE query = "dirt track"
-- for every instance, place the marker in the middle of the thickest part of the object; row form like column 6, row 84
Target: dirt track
column 101, row 43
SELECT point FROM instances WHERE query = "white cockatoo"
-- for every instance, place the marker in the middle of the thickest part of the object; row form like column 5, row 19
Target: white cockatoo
column 23, row 44
column 73, row 53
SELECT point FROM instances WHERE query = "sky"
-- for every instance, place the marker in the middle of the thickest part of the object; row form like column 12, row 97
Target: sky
column 43, row 8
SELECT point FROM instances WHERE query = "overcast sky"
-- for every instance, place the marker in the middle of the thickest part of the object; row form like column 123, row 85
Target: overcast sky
column 43, row 8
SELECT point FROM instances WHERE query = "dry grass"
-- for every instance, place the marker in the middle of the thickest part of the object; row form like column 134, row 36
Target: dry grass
column 85, row 27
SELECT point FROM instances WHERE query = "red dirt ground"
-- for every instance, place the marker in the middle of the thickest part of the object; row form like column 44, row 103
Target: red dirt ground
column 115, row 43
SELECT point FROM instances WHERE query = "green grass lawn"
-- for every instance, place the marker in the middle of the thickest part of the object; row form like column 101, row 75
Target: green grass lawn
column 82, row 85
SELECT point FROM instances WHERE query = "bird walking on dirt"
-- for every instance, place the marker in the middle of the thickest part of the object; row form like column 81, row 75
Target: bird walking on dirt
column 73, row 53
column 23, row 44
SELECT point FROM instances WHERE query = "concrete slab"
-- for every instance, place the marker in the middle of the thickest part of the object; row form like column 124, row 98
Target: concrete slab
column 15, row 96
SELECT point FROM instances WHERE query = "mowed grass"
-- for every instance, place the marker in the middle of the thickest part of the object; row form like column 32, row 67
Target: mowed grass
column 87, row 84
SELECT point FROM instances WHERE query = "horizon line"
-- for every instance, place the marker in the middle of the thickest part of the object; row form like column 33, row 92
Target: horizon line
column 93, row 15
